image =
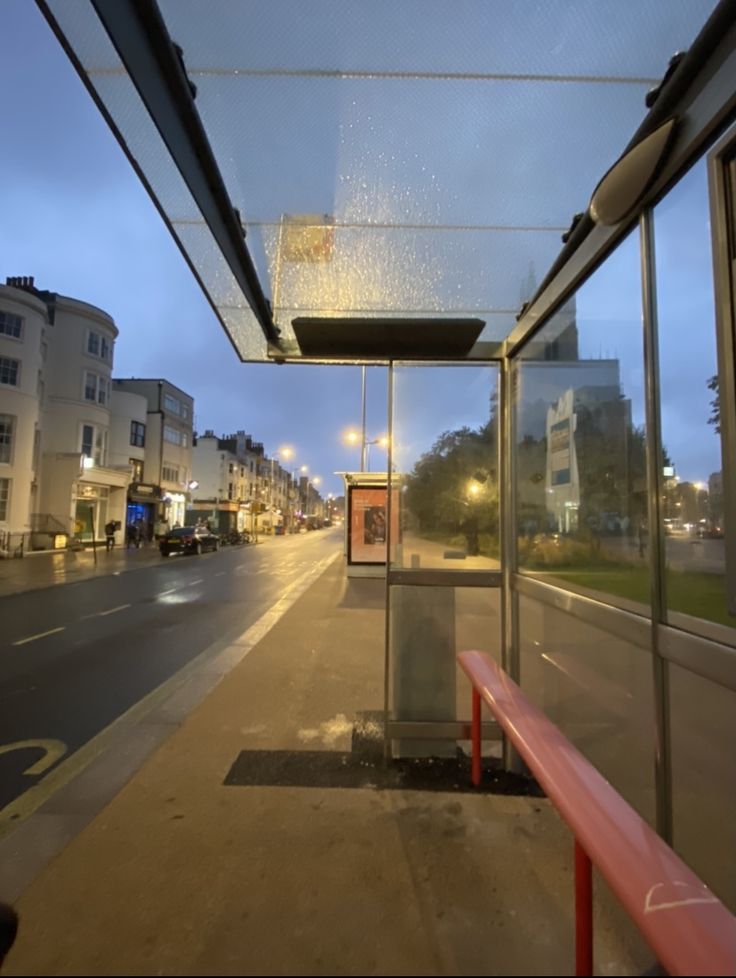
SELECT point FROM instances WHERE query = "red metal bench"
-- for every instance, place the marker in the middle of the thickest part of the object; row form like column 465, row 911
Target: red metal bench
column 688, row 928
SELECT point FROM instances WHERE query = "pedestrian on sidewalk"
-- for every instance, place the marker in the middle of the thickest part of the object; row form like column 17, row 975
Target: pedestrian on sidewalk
column 133, row 536
column 109, row 535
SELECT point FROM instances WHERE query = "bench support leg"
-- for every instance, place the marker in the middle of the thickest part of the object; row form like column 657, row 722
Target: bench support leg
column 583, row 912
column 475, row 734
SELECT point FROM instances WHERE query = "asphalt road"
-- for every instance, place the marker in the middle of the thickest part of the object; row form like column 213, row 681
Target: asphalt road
column 75, row 657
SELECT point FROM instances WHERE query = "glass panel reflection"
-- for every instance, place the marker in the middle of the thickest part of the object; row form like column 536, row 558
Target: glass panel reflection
column 598, row 689
column 692, row 501
column 579, row 410
column 703, row 728
column 445, row 461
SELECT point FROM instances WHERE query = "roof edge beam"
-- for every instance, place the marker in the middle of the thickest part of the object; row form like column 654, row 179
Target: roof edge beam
column 700, row 94
column 137, row 31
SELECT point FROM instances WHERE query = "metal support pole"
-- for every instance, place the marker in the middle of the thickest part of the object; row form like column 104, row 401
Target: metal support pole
column 476, row 740
column 583, row 912
column 362, row 424
column 510, row 659
column 391, row 544
column 92, row 524
column 662, row 759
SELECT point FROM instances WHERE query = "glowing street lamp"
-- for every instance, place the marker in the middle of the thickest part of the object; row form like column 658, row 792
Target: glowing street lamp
column 353, row 438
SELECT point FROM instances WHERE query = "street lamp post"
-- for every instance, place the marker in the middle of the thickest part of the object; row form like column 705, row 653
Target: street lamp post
column 362, row 423
column 304, row 501
column 365, row 447
column 383, row 441
column 286, row 454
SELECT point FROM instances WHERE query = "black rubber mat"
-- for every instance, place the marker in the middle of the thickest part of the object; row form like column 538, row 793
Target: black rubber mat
column 345, row 769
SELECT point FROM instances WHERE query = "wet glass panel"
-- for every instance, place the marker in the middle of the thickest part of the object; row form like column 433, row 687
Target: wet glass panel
column 580, row 439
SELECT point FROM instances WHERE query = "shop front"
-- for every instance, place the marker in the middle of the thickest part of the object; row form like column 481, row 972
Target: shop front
column 90, row 512
column 142, row 508
column 175, row 508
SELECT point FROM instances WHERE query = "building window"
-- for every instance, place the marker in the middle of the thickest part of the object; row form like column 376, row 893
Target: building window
column 98, row 345
column 7, row 427
column 174, row 436
column 171, row 404
column 4, row 499
column 184, row 412
column 9, row 371
column 137, row 434
column 169, row 472
column 136, row 469
column 11, row 325
column 88, row 439
column 96, row 387
column 94, row 443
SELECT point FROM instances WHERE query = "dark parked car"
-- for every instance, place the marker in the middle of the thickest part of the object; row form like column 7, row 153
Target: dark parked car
column 188, row 540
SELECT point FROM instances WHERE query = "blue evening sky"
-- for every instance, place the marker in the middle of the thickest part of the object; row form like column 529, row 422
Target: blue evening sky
column 76, row 218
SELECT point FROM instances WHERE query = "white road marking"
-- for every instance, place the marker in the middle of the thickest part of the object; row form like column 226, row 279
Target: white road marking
column 32, row 638
column 220, row 574
column 198, row 581
column 162, row 594
column 111, row 611
column 52, row 751
column 27, row 803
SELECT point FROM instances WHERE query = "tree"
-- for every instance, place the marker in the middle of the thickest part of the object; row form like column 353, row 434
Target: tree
column 715, row 404
column 454, row 487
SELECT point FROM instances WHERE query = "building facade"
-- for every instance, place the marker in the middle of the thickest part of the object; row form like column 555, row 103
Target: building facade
column 164, row 493
column 23, row 346
column 223, row 492
column 56, row 356
column 80, row 486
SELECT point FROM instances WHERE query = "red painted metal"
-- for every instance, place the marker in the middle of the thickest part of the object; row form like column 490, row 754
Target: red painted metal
column 583, row 912
column 476, row 739
column 685, row 924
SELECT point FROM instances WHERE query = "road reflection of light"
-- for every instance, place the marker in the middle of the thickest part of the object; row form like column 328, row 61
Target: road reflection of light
column 176, row 597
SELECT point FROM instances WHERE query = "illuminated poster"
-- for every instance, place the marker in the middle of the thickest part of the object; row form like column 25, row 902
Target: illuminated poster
column 368, row 532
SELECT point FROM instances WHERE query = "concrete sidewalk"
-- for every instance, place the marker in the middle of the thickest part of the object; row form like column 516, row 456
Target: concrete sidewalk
column 264, row 836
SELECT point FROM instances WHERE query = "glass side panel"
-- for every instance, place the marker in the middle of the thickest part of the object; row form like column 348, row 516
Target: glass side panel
column 693, row 499
column 445, row 467
column 598, row 689
column 580, row 446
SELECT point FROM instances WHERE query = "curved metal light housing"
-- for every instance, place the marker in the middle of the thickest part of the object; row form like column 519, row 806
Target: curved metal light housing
column 623, row 186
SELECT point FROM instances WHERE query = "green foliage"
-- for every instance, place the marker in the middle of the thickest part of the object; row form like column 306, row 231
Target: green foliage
column 715, row 404
column 453, row 490
column 555, row 550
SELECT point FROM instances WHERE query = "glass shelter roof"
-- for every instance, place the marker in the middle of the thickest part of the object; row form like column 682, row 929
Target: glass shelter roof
column 385, row 159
